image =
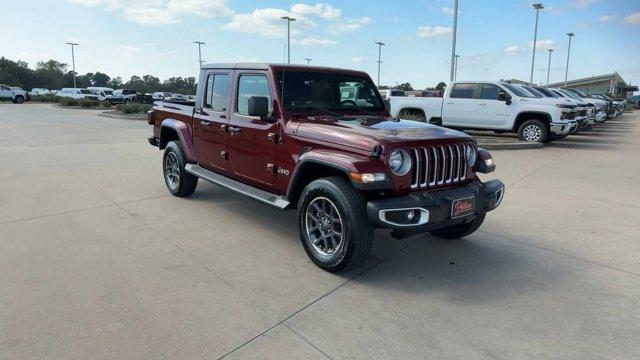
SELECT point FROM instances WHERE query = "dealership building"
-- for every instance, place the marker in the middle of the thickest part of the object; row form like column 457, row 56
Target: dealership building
column 609, row 83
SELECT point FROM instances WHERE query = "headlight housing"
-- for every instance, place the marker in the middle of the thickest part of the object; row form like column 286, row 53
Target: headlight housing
column 471, row 154
column 399, row 162
column 565, row 106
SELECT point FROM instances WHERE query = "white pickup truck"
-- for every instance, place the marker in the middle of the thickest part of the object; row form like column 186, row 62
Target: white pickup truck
column 491, row 105
column 15, row 94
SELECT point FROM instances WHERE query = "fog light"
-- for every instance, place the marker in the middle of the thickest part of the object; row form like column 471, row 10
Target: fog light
column 368, row 178
column 489, row 162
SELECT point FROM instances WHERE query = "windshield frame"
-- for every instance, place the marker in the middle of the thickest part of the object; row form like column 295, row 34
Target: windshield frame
column 519, row 92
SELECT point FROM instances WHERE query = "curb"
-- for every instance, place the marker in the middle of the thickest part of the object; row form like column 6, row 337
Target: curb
column 123, row 117
column 511, row 146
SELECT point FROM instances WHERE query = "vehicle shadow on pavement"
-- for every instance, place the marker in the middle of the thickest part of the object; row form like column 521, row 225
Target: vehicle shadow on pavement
column 478, row 269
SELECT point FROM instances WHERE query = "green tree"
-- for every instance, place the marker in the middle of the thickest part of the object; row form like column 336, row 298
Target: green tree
column 441, row 85
column 406, row 87
column 100, row 79
column 16, row 73
column 51, row 74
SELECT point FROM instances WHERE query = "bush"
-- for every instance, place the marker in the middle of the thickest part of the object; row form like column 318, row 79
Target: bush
column 106, row 104
column 46, row 98
column 133, row 108
column 89, row 103
column 69, row 102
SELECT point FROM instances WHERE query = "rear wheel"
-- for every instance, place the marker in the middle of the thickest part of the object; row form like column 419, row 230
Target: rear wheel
column 460, row 230
column 533, row 131
column 333, row 225
column 178, row 181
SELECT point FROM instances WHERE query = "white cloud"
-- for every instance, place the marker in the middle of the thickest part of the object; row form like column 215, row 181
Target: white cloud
column 449, row 11
column 324, row 11
column 159, row 12
column 357, row 60
column 433, row 31
column 515, row 50
column 266, row 22
column 349, row 25
column 607, row 18
column 544, row 45
column 581, row 4
column 633, row 19
column 313, row 42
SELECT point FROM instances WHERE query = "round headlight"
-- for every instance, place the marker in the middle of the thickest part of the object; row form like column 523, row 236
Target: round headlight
column 399, row 162
column 471, row 154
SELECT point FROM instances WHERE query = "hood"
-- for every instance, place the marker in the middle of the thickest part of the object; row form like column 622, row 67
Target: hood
column 364, row 132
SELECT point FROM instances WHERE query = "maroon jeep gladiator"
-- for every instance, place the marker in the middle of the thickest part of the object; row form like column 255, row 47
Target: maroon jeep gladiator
column 320, row 140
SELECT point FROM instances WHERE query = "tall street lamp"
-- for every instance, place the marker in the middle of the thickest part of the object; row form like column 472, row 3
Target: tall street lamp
column 455, row 70
column 200, row 43
column 289, row 20
column 308, row 61
column 549, row 66
column 566, row 72
column 73, row 62
column 535, row 39
column 380, row 45
column 453, row 46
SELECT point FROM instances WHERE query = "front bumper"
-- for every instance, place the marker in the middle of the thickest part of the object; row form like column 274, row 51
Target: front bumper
column 563, row 128
column 434, row 208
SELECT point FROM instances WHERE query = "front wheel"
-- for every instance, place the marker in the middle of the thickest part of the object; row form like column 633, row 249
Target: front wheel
column 533, row 131
column 333, row 225
column 459, row 230
column 18, row 100
column 178, row 180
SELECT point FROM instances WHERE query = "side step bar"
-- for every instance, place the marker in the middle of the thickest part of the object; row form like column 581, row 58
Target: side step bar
column 268, row 198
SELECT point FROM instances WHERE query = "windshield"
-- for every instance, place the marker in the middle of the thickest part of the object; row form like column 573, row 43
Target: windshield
column 558, row 93
column 85, row 91
column 517, row 90
column 570, row 94
column 533, row 91
column 547, row 93
column 302, row 90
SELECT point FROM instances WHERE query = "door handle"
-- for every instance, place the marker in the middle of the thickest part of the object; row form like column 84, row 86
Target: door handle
column 205, row 123
column 450, row 103
column 235, row 130
column 223, row 127
column 482, row 104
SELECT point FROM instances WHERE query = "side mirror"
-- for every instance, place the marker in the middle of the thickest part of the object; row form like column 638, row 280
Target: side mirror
column 258, row 106
column 503, row 96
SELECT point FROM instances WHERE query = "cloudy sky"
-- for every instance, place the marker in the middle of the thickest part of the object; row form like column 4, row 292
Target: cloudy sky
column 494, row 41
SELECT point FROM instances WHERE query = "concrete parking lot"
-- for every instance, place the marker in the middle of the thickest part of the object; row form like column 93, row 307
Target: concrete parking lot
column 97, row 261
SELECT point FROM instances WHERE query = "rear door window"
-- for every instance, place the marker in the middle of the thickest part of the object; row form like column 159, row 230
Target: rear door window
column 217, row 96
column 463, row 91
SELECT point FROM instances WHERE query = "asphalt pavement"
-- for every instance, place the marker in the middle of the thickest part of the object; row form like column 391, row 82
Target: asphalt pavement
column 98, row 261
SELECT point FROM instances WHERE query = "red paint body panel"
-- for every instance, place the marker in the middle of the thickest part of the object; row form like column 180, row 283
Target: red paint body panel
column 346, row 141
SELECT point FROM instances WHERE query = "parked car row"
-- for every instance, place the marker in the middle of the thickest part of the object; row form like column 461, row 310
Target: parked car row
column 535, row 113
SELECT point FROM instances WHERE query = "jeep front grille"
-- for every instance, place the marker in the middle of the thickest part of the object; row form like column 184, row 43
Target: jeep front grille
column 438, row 166
column 582, row 112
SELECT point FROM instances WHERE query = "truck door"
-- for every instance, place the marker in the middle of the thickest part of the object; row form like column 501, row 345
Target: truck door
column 210, row 121
column 5, row 92
column 459, row 107
column 492, row 113
column 252, row 146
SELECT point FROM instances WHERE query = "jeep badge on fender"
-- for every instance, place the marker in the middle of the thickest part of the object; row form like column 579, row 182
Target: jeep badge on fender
column 330, row 150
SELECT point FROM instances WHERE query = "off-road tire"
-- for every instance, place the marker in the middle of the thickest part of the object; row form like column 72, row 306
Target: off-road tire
column 357, row 232
column 18, row 99
column 186, row 183
column 460, row 230
column 533, row 123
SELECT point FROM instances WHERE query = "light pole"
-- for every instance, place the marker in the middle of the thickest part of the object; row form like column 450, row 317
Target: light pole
column 566, row 72
column 289, row 20
column 455, row 69
column 308, row 61
column 549, row 66
column 535, row 39
column 380, row 45
column 453, row 46
column 73, row 62
column 199, row 52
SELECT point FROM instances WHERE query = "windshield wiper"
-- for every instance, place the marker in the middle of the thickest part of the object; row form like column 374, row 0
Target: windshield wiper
column 364, row 111
column 316, row 108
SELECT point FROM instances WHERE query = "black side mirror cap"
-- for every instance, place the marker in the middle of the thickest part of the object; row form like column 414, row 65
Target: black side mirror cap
column 258, row 106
